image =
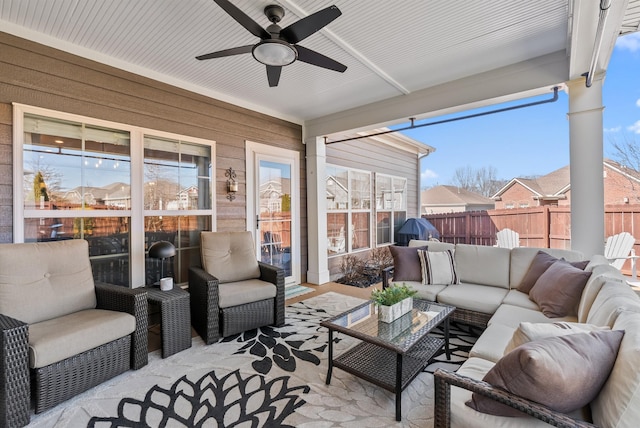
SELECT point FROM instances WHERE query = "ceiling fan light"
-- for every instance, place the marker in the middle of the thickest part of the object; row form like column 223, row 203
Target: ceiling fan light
column 274, row 52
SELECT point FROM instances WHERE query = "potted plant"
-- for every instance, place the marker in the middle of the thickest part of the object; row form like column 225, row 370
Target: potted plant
column 393, row 301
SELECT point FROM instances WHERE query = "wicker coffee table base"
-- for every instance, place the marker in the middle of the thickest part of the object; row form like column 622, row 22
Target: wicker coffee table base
column 378, row 365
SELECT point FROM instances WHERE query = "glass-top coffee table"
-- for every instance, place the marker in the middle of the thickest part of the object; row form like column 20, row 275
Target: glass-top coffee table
column 390, row 355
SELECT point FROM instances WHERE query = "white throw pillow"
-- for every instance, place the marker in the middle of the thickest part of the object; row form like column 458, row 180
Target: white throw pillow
column 438, row 267
column 529, row 331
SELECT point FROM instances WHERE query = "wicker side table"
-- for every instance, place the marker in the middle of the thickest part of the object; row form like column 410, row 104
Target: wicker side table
column 175, row 318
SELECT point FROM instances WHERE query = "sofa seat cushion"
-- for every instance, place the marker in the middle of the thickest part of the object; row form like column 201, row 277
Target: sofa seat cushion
column 462, row 416
column 613, row 298
column 513, row 315
column 66, row 336
column 518, row 298
column 243, row 292
column 479, row 264
column 474, row 297
column 492, row 343
column 618, row 404
column 426, row 292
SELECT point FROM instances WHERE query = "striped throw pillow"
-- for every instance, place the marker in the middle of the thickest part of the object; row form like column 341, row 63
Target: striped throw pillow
column 438, row 267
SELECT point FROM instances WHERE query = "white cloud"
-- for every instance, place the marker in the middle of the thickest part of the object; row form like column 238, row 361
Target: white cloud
column 427, row 174
column 630, row 42
column 635, row 128
column 638, row 102
column 614, row 129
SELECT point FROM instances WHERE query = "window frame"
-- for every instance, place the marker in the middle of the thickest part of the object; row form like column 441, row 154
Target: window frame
column 136, row 213
column 393, row 210
column 349, row 211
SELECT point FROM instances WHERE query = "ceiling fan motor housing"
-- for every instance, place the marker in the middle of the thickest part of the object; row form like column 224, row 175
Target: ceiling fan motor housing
column 274, row 13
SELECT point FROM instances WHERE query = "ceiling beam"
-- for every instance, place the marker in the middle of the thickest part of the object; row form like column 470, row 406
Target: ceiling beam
column 521, row 80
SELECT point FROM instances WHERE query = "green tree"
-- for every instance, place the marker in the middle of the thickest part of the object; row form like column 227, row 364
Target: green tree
column 40, row 188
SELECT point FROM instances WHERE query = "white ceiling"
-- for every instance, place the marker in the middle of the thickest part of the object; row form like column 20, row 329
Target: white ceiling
column 394, row 51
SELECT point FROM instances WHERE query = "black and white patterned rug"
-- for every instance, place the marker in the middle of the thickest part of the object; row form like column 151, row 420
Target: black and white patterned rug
column 269, row 377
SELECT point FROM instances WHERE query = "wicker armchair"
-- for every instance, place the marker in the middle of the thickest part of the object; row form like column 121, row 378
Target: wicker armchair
column 232, row 292
column 61, row 333
column 444, row 379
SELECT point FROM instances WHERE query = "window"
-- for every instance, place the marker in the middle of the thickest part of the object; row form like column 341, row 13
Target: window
column 348, row 210
column 391, row 207
column 80, row 181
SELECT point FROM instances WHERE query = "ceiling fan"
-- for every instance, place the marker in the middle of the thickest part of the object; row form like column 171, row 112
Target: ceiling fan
column 279, row 47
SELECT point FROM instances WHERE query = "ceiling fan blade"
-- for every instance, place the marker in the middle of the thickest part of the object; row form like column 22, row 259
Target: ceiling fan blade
column 243, row 19
column 315, row 58
column 305, row 27
column 226, row 52
column 273, row 74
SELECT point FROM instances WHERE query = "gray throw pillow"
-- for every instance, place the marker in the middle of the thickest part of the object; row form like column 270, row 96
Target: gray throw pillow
column 438, row 267
column 406, row 264
column 557, row 292
column 541, row 262
column 563, row 373
column 538, row 266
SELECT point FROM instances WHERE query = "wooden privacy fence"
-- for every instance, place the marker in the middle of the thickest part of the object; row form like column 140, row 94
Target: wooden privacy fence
column 543, row 227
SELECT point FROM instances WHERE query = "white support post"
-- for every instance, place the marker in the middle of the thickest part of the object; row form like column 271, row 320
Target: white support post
column 318, row 267
column 586, row 165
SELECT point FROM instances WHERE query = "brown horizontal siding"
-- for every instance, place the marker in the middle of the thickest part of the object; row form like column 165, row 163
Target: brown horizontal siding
column 38, row 75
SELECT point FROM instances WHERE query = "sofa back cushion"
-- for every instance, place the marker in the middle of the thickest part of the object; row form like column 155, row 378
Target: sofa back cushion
column 45, row 280
column 229, row 256
column 599, row 275
column 479, row 264
column 522, row 257
column 618, row 403
column 614, row 297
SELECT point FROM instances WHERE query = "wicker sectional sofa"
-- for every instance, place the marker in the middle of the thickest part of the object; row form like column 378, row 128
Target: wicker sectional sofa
column 487, row 297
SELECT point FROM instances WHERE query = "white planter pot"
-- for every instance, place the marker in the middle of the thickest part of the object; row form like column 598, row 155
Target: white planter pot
column 393, row 312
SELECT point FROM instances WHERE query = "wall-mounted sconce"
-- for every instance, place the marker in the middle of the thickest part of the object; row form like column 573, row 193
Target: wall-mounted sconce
column 625, row 200
column 232, row 184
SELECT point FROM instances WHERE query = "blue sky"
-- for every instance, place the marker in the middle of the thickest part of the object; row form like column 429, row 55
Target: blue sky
column 535, row 140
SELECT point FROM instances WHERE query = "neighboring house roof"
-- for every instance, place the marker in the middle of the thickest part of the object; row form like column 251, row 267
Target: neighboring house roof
column 558, row 182
column 452, row 195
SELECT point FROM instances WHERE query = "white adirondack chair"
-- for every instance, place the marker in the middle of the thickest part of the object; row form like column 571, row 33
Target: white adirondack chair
column 619, row 248
column 507, row 238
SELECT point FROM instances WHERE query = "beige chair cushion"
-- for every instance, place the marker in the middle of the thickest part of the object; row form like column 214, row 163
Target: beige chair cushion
column 243, row 292
column 618, row 404
column 45, row 280
column 63, row 337
column 229, row 256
